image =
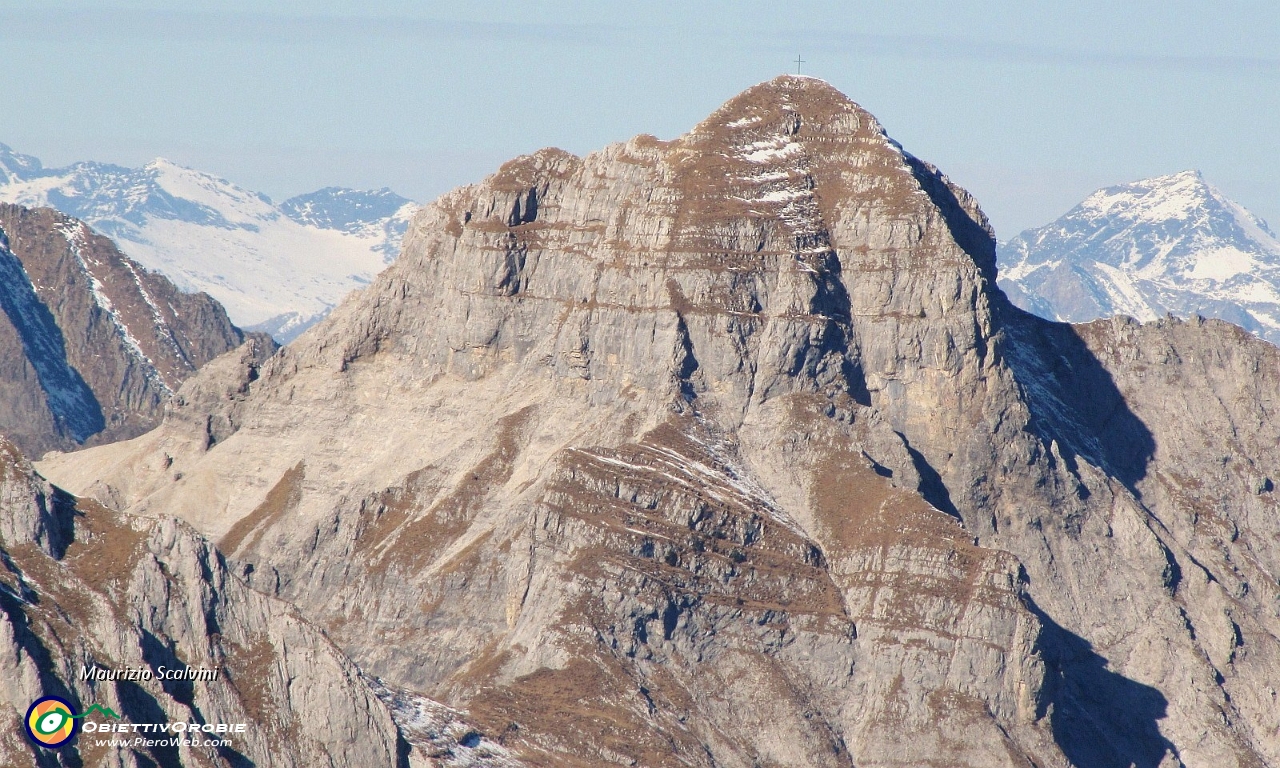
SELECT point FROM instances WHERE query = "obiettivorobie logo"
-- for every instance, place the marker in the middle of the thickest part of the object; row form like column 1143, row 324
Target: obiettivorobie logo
column 52, row 721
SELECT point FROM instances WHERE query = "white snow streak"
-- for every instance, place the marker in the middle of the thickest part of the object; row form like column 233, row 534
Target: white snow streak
column 74, row 234
column 1124, row 296
column 157, row 319
column 767, row 151
column 725, row 483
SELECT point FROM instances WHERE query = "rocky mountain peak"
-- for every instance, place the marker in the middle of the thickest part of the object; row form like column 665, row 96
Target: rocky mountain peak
column 749, row 219
column 783, row 103
column 1179, row 197
column 15, row 166
column 798, row 149
column 1168, row 216
column 725, row 450
column 348, row 210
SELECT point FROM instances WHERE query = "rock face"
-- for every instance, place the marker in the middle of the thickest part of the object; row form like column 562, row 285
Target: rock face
column 1173, row 244
column 728, row 451
column 276, row 268
column 85, row 587
column 93, row 344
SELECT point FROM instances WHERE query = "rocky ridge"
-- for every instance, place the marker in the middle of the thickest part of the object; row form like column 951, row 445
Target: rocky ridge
column 1173, row 244
column 85, row 587
column 728, row 451
column 94, row 345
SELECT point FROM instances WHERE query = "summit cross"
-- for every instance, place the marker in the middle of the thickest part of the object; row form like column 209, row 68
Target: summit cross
column 799, row 61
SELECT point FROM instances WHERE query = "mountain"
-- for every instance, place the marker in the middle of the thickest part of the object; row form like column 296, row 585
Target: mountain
column 728, row 451
column 86, row 588
column 93, row 345
column 276, row 268
column 1173, row 244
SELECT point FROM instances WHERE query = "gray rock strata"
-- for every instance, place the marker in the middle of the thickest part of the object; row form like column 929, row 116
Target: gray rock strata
column 85, row 587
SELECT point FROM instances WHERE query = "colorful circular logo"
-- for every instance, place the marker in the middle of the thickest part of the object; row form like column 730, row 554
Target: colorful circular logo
column 51, row 722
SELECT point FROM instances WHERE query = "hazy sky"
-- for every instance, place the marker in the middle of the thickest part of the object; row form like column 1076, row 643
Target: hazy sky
column 1031, row 105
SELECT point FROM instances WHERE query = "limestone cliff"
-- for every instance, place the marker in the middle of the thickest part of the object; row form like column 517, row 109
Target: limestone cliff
column 85, row 587
column 728, row 451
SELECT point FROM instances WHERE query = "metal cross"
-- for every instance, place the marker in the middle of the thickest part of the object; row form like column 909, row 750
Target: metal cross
column 799, row 61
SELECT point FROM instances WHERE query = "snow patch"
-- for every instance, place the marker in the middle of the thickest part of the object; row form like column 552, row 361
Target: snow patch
column 1254, row 228
column 781, row 195
column 765, row 178
column 1025, row 269
column 776, row 196
column 1220, row 264
column 770, row 150
column 441, row 733
column 1270, row 321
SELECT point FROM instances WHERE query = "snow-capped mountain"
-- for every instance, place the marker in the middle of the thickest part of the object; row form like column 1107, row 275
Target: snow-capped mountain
column 1172, row 244
column 276, row 268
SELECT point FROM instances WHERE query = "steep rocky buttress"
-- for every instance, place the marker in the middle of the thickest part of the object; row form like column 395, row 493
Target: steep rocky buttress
column 727, row 451
column 85, row 587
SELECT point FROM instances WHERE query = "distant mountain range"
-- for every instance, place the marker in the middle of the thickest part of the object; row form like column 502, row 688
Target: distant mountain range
column 1168, row 245
column 275, row 267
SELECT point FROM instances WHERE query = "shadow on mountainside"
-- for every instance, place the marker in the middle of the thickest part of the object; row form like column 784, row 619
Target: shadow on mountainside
column 72, row 403
column 973, row 235
column 139, row 706
column 1072, row 397
column 1100, row 719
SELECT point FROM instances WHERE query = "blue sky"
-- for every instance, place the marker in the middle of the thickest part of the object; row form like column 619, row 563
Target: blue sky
column 1029, row 105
